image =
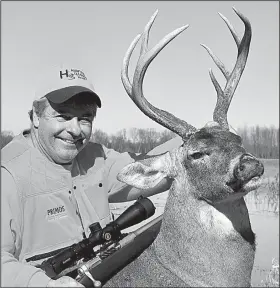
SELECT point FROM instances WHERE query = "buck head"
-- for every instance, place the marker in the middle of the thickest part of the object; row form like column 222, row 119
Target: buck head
column 211, row 164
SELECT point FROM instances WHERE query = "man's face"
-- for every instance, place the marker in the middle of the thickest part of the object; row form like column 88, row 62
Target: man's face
column 64, row 130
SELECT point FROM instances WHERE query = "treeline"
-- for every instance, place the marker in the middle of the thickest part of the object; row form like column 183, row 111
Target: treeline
column 263, row 142
column 133, row 139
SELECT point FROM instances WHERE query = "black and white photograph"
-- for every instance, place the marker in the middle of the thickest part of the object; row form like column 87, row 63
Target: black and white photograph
column 139, row 144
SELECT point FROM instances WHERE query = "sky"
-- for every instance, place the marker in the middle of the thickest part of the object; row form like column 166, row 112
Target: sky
column 94, row 35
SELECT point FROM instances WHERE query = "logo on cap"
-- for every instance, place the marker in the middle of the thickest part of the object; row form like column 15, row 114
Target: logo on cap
column 72, row 74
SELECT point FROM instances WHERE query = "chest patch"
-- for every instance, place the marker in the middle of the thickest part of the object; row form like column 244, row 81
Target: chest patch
column 216, row 222
column 56, row 212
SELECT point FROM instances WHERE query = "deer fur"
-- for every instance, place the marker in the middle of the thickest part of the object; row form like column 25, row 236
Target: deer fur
column 206, row 237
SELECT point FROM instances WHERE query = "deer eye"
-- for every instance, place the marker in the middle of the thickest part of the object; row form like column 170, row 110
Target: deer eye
column 196, row 155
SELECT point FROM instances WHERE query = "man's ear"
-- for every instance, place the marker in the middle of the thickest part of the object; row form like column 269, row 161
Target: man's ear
column 35, row 117
column 147, row 173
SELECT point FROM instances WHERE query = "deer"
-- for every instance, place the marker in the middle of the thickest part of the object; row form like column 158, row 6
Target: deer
column 205, row 238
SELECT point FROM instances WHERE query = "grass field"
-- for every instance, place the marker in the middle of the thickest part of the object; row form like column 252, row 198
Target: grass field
column 263, row 205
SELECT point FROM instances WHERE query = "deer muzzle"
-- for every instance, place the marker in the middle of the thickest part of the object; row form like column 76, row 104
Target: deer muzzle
column 247, row 173
column 248, row 167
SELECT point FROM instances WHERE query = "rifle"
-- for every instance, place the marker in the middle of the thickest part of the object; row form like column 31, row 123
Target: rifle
column 77, row 260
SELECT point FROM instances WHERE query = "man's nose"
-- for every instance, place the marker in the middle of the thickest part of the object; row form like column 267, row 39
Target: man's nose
column 74, row 127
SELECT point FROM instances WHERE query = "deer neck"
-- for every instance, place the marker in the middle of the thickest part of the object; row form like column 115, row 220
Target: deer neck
column 214, row 245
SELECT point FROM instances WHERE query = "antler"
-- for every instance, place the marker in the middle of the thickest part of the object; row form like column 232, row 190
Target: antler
column 135, row 91
column 224, row 97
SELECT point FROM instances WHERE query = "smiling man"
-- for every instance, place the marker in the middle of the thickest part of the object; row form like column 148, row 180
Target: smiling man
column 56, row 182
column 65, row 128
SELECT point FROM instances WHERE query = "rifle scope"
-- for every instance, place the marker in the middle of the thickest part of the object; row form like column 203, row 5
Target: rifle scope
column 141, row 210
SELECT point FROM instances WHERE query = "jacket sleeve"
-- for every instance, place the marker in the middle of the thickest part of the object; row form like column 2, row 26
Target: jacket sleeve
column 15, row 273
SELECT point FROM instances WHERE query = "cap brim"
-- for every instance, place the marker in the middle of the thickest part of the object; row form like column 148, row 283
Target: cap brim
column 63, row 94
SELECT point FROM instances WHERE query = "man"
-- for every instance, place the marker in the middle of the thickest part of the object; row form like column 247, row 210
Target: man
column 56, row 182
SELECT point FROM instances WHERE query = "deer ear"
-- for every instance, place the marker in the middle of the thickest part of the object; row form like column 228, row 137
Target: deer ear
column 147, row 173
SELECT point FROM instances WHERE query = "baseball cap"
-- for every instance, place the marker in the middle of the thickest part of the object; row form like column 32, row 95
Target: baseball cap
column 59, row 84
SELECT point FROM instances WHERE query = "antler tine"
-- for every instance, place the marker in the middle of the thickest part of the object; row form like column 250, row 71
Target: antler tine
column 224, row 97
column 235, row 36
column 144, row 47
column 135, row 91
column 145, row 41
column 124, row 72
column 217, row 61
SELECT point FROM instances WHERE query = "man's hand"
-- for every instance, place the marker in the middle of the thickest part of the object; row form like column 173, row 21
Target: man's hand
column 64, row 281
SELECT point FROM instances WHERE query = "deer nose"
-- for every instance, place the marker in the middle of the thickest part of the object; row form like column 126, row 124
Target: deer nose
column 248, row 167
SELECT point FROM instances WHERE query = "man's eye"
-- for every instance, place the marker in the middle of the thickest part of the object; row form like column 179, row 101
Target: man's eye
column 197, row 155
column 88, row 120
column 64, row 117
